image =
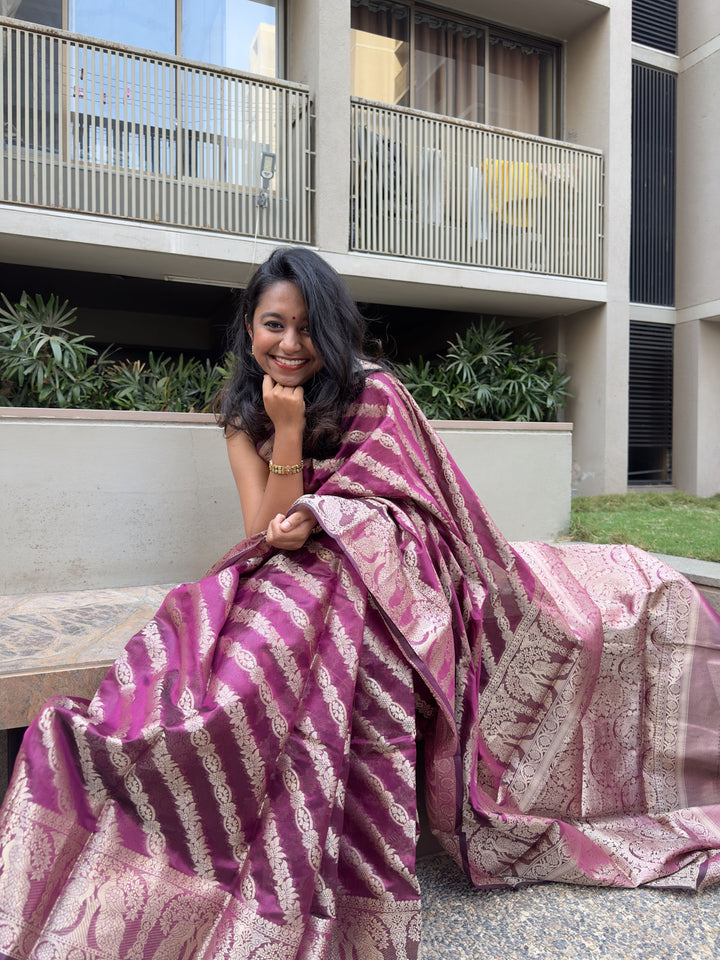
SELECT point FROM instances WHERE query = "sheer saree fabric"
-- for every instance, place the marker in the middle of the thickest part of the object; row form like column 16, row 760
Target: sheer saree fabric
column 243, row 783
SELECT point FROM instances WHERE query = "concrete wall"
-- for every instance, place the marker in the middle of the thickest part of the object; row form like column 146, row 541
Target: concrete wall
column 521, row 472
column 696, row 448
column 698, row 184
column 102, row 502
column 94, row 500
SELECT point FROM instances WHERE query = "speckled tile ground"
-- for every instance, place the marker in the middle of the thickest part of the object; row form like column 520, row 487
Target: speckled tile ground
column 557, row 921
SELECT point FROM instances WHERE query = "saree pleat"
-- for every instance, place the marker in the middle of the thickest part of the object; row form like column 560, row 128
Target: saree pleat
column 243, row 784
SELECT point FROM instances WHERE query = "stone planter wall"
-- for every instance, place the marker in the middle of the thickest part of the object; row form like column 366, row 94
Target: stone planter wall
column 97, row 499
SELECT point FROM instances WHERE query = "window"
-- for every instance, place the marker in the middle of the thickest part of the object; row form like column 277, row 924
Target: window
column 449, row 68
column 408, row 56
column 521, row 86
column 240, row 34
column 380, row 53
column 134, row 22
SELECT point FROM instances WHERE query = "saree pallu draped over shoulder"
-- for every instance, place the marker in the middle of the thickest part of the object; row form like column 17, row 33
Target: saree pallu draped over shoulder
column 243, row 783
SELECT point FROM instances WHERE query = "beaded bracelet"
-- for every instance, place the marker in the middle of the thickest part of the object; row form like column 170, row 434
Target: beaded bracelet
column 285, row 471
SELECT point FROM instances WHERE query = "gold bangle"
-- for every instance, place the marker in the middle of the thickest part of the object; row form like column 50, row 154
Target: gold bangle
column 285, row 471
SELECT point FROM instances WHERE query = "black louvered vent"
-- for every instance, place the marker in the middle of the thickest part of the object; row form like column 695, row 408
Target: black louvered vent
column 652, row 238
column 655, row 24
column 651, row 400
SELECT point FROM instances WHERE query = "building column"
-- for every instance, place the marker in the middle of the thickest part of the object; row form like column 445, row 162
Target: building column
column 598, row 113
column 696, row 443
column 318, row 34
column 595, row 343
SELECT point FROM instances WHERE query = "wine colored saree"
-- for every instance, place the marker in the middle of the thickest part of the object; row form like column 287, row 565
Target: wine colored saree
column 243, row 783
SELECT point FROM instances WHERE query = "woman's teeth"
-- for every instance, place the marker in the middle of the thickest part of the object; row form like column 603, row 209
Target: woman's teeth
column 283, row 361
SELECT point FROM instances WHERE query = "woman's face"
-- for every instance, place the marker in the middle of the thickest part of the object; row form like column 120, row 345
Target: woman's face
column 281, row 337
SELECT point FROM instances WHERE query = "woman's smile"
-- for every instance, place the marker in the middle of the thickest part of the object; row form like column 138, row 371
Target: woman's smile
column 280, row 335
column 291, row 364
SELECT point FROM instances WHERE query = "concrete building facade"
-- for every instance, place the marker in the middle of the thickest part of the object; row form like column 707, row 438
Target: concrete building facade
column 152, row 174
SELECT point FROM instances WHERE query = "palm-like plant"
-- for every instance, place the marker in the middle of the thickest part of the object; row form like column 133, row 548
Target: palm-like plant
column 42, row 362
column 488, row 373
column 185, row 384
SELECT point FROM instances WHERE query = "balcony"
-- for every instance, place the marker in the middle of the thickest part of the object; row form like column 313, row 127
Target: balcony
column 100, row 129
column 106, row 130
column 439, row 189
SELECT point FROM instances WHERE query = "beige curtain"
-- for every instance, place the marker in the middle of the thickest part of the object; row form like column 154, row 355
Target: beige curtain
column 8, row 7
column 449, row 68
column 514, row 94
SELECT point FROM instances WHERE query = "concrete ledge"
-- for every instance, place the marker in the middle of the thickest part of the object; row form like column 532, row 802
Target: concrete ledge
column 63, row 643
column 94, row 499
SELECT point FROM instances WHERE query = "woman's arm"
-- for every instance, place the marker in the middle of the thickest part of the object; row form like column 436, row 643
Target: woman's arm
column 265, row 497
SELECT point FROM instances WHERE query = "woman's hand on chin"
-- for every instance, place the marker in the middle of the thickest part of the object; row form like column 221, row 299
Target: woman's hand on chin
column 290, row 533
column 284, row 405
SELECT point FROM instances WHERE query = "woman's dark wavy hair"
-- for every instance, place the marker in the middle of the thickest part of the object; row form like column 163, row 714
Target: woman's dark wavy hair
column 337, row 331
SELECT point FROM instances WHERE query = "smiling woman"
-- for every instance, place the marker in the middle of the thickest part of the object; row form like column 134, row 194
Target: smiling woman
column 283, row 388
column 307, row 332
column 280, row 336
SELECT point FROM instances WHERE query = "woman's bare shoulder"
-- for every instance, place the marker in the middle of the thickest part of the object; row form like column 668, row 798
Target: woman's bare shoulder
column 240, row 446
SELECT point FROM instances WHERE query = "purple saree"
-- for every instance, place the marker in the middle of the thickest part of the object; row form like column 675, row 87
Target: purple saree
column 243, row 783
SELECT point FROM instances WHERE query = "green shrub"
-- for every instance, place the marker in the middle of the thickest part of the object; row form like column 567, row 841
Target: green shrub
column 487, row 373
column 43, row 363
column 164, row 383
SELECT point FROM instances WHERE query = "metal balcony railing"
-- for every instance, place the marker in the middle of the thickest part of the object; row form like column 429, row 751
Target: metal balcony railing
column 440, row 189
column 103, row 129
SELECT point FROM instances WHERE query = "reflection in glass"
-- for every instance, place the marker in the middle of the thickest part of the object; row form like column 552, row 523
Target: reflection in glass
column 404, row 55
column 231, row 33
column 136, row 23
column 47, row 12
column 380, row 54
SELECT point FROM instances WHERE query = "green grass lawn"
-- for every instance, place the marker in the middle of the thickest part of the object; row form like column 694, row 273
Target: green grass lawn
column 673, row 523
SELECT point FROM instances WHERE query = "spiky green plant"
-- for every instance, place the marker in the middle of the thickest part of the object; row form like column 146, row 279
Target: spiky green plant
column 44, row 363
column 488, row 373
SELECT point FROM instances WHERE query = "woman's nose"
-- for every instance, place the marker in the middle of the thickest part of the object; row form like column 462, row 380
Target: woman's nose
column 290, row 340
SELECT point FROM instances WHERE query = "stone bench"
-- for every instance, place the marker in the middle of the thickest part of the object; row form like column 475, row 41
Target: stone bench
column 61, row 643
column 54, row 643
